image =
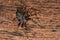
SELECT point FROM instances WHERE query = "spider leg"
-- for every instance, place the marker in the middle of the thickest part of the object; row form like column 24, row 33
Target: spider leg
column 23, row 25
column 19, row 25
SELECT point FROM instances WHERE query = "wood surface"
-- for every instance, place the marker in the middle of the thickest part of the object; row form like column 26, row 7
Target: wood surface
column 44, row 23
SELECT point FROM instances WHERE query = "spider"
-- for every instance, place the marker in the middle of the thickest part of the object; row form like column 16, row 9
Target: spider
column 22, row 16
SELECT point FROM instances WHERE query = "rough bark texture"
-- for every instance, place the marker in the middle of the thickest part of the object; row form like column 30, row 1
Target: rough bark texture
column 44, row 23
